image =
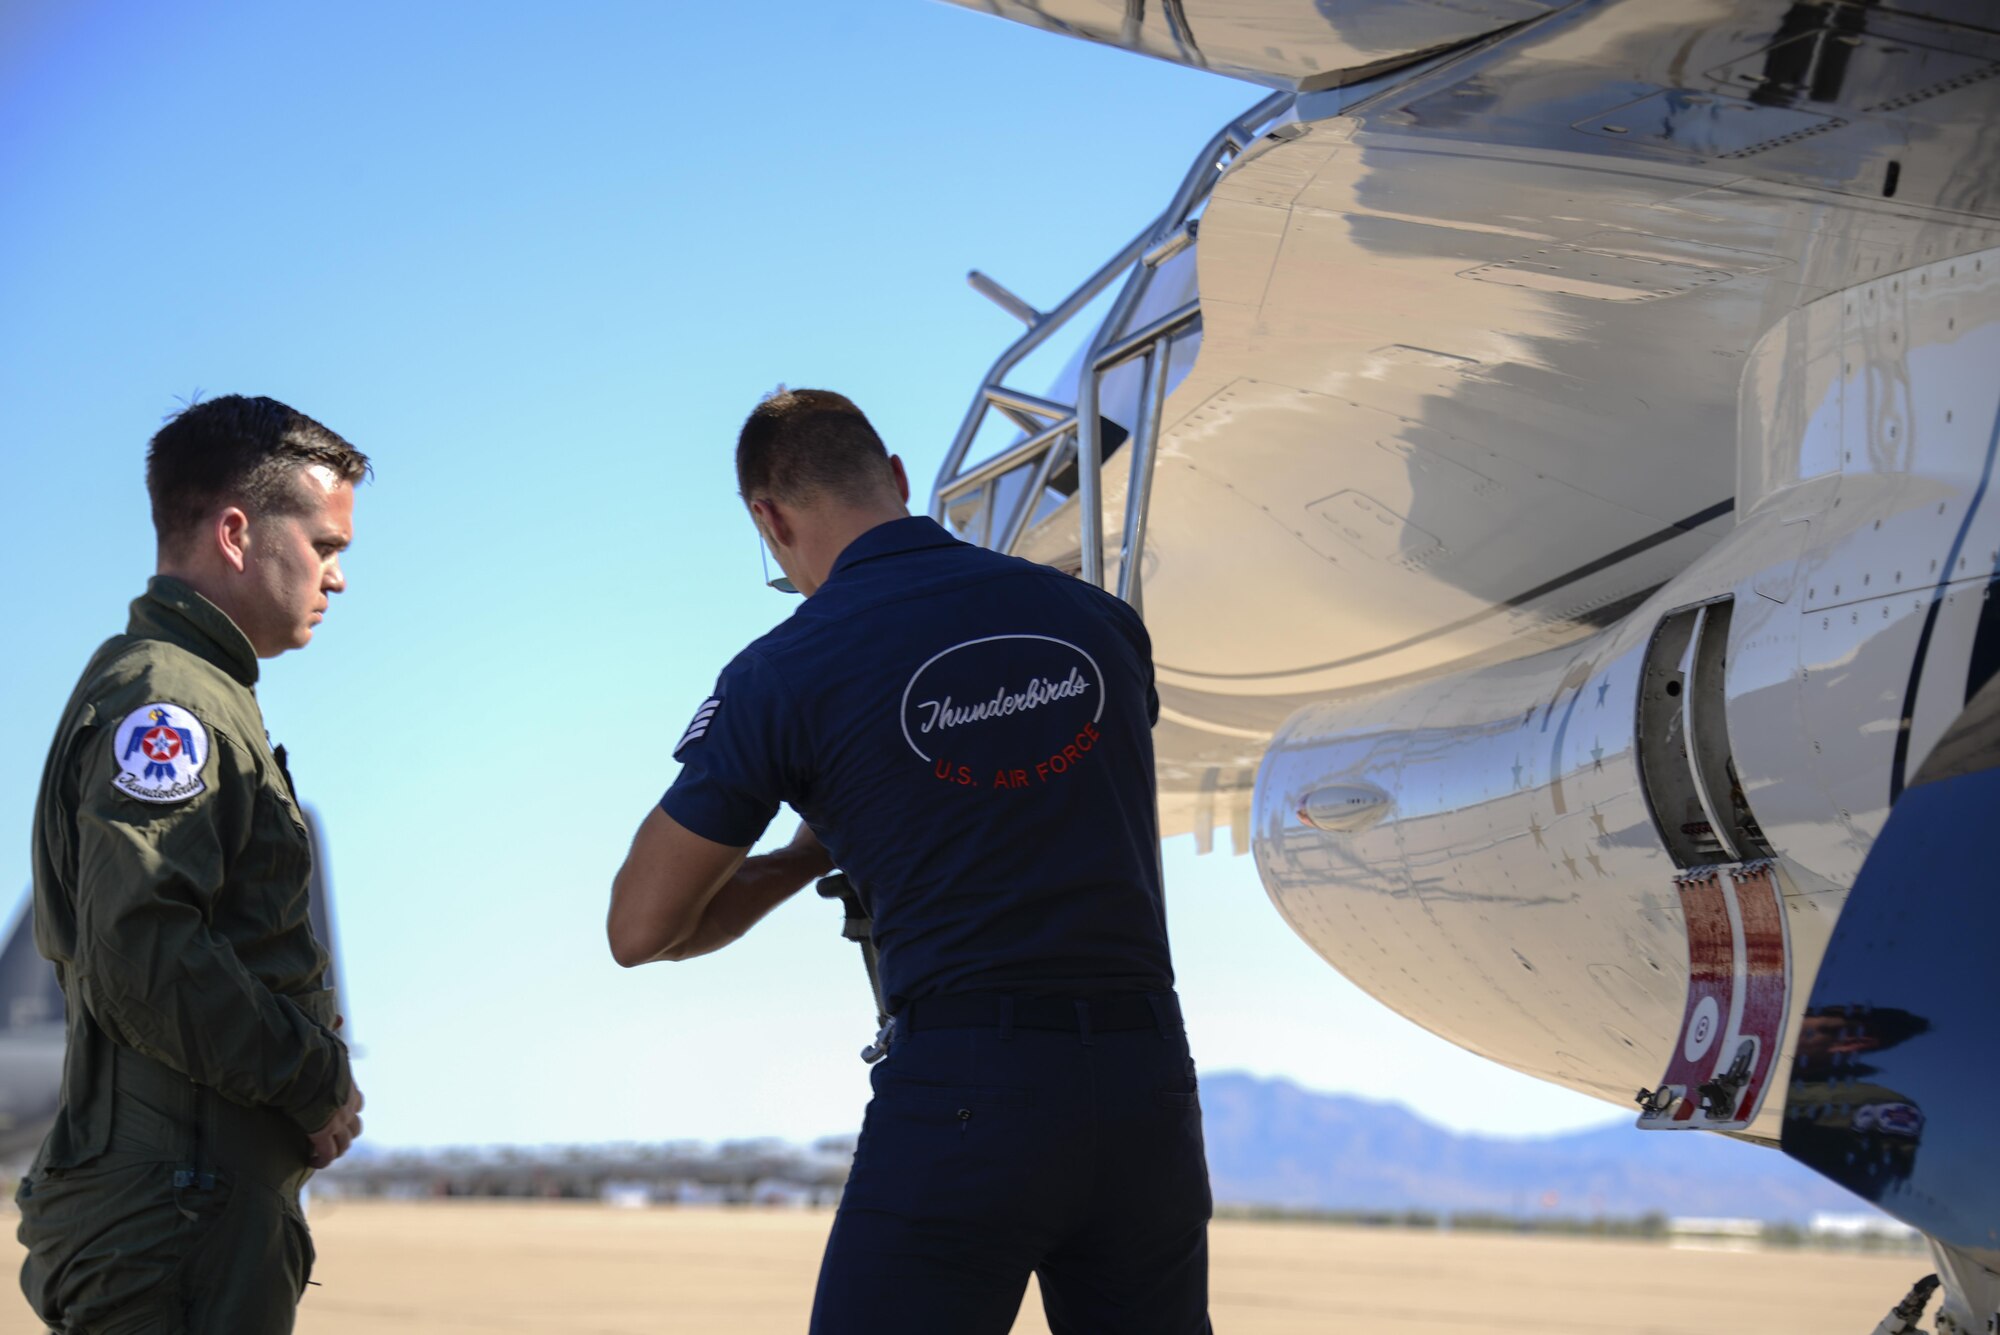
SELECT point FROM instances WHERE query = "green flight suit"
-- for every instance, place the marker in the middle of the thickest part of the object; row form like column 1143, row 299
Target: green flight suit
column 171, row 873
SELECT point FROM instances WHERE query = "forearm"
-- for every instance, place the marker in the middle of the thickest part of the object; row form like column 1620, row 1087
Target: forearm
column 759, row 885
column 208, row 1017
column 158, row 979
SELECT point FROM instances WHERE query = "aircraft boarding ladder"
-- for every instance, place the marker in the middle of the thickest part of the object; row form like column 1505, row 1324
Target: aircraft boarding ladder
column 1058, row 436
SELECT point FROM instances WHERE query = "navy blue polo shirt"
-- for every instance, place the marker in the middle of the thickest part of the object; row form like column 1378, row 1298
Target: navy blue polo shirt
column 970, row 735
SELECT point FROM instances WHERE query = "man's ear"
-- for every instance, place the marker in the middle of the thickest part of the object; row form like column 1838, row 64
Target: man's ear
column 231, row 536
column 902, row 477
column 771, row 517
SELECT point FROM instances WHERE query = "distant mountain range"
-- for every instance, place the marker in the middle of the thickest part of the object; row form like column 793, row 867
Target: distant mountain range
column 1271, row 1143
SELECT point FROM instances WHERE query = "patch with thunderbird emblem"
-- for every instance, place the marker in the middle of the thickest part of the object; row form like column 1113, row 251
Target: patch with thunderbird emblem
column 161, row 750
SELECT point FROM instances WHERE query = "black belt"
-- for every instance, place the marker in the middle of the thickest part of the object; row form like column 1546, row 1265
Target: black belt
column 1100, row 1014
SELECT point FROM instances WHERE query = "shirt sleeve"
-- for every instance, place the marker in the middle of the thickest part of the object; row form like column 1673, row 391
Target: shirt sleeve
column 152, row 972
column 741, row 757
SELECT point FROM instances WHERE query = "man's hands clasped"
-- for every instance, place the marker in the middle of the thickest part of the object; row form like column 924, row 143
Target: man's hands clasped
column 341, row 1130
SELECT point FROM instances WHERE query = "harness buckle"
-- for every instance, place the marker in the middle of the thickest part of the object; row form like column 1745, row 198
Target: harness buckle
column 879, row 1049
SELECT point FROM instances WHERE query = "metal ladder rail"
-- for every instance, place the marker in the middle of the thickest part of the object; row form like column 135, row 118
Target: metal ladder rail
column 1052, row 427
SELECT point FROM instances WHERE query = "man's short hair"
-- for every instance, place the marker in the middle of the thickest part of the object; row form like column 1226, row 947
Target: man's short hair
column 238, row 451
column 800, row 445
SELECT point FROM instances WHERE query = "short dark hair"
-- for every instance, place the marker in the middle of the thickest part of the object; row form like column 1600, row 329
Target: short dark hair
column 242, row 451
column 802, row 444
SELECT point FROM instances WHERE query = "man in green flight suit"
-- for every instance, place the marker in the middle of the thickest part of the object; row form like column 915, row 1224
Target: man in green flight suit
column 204, row 1078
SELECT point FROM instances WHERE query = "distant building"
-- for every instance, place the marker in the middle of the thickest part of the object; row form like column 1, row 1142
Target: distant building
column 1715, row 1228
column 626, row 1195
column 1859, row 1227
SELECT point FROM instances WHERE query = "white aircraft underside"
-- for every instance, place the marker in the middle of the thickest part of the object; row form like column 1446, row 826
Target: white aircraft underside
column 1578, row 476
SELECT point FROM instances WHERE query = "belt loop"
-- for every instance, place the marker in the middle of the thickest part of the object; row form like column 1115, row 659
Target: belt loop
column 1007, row 1018
column 1159, row 1005
column 1083, row 1022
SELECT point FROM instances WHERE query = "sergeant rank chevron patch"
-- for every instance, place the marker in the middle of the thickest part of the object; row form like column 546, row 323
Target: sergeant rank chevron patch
column 702, row 718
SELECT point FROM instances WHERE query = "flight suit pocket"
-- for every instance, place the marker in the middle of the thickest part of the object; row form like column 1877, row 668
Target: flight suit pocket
column 276, row 861
column 280, row 844
column 110, row 1243
column 304, row 1255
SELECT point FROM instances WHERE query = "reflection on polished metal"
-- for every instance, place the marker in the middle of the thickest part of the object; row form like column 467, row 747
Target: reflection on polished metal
column 1145, row 455
column 1181, row 238
column 1591, row 448
column 1344, row 808
column 1142, row 342
column 1893, row 1091
column 1290, row 44
column 1024, row 408
column 1034, row 447
column 1111, row 346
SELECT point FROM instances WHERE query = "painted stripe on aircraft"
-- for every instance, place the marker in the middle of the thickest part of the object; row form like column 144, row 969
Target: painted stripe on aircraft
column 1605, row 562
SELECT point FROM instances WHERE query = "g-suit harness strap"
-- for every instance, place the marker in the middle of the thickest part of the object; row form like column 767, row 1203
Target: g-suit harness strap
column 859, row 927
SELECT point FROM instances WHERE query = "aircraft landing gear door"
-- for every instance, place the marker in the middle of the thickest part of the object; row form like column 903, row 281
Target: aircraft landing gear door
column 1739, row 955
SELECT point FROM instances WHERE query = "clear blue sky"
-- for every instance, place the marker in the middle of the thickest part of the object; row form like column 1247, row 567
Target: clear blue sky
column 538, row 261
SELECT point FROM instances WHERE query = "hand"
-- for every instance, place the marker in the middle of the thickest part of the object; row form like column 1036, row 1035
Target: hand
column 341, row 1130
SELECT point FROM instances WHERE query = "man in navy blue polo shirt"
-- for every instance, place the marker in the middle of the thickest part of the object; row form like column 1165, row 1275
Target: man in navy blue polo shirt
column 968, row 736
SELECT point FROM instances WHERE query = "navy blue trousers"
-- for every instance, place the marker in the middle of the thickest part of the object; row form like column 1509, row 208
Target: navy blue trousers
column 987, row 1155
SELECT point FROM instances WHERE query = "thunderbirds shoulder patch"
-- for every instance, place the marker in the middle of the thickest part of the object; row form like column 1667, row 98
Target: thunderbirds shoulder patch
column 162, row 750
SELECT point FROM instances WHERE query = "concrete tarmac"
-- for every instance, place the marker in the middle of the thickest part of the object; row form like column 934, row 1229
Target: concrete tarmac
column 502, row 1267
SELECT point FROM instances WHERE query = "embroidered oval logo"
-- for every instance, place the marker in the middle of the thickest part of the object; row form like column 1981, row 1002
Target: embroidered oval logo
column 161, row 750
column 1004, row 711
